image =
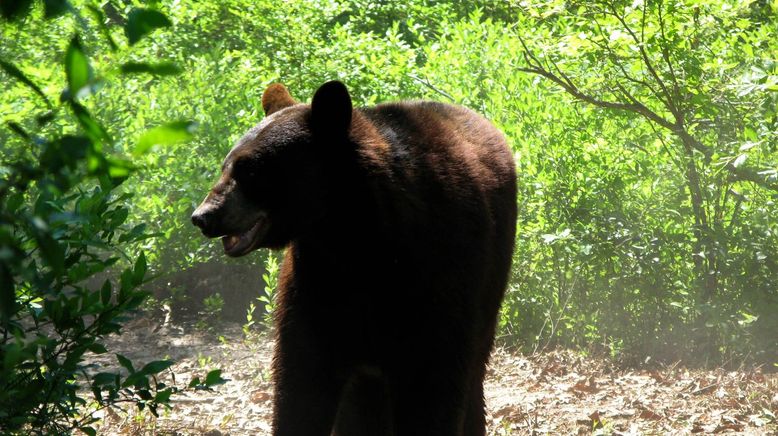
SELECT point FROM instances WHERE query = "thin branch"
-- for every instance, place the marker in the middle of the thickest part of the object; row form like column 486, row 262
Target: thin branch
column 673, row 157
column 427, row 83
column 666, row 53
column 616, row 59
column 649, row 65
column 573, row 90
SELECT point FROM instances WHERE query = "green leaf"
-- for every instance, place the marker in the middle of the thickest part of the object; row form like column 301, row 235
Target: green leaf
column 19, row 130
column 77, row 68
column 105, row 292
column 94, row 130
column 14, row 72
column 119, row 169
column 7, row 296
column 136, row 300
column 214, row 378
column 141, row 22
column 157, row 69
column 137, row 379
column 194, row 383
column 51, row 251
column 165, row 134
column 44, row 119
column 134, row 234
column 97, row 348
column 14, row 202
column 156, row 366
column 125, row 362
column 104, row 378
column 89, row 431
column 139, row 271
column 163, row 396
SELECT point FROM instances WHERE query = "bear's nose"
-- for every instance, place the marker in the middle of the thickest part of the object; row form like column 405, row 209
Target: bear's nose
column 199, row 219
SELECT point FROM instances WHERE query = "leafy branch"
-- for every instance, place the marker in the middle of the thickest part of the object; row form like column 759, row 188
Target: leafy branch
column 670, row 96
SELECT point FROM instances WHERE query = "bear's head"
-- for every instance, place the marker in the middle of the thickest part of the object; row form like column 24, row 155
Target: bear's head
column 276, row 179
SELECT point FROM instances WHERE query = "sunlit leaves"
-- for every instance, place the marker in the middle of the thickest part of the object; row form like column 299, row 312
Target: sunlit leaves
column 14, row 72
column 77, row 68
column 165, row 134
column 61, row 224
column 99, row 17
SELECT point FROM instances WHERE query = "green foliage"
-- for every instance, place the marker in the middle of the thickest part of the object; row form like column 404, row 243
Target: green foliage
column 645, row 138
column 69, row 274
column 663, row 252
column 166, row 134
column 213, row 378
column 270, row 277
column 267, row 300
column 212, row 309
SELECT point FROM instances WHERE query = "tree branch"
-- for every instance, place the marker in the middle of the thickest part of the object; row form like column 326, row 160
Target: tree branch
column 573, row 90
column 535, row 66
column 668, row 101
column 666, row 53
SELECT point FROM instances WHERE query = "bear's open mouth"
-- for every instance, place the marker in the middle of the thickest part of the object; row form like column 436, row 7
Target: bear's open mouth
column 239, row 245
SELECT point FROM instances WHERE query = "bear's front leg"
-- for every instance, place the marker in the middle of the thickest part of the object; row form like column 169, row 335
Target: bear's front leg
column 307, row 388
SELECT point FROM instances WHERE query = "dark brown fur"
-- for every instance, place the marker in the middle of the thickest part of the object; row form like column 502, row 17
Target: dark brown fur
column 398, row 232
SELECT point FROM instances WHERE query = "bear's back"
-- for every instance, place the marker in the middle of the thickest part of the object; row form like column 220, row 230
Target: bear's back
column 446, row 158
column 451, row 141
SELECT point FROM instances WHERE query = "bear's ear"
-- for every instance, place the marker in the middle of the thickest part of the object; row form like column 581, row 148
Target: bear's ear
column 275, row 98
column 331, row 110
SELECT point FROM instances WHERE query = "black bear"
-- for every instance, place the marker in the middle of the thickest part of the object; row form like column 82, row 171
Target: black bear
column 398, row 222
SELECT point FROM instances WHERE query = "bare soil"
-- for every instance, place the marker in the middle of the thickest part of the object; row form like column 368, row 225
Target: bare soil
column 549, row 393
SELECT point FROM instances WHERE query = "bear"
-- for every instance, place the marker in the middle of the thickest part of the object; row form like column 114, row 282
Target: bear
column 398, row 223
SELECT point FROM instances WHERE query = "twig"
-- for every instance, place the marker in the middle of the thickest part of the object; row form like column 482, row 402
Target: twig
column 426, row 83
column 704, row 389
column 649, row 65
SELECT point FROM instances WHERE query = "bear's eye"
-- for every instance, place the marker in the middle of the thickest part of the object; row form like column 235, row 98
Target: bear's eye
column 240, row 166
column 245, row 171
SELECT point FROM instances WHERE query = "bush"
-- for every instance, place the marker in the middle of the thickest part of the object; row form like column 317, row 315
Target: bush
column 63, row 228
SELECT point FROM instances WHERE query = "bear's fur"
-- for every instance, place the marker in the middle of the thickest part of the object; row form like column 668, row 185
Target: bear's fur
column 398, row 222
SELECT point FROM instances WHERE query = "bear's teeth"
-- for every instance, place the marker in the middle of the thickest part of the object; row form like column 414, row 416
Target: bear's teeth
column 232, row 241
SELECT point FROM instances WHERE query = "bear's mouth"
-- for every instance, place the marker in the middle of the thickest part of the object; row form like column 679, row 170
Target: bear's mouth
column 242, row 244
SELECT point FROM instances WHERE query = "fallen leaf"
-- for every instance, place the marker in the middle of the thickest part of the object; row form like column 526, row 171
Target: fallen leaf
column 650, row 414
column 656, row 376
column 730, row 426
column 588, row 386
column 593, row 422
column 260, row 396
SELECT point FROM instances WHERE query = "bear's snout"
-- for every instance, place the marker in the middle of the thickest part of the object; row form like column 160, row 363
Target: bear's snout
column 203, row 218
column 198, row 219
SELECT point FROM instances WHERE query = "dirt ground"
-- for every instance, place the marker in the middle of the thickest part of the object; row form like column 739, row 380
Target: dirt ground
column 549, row 393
